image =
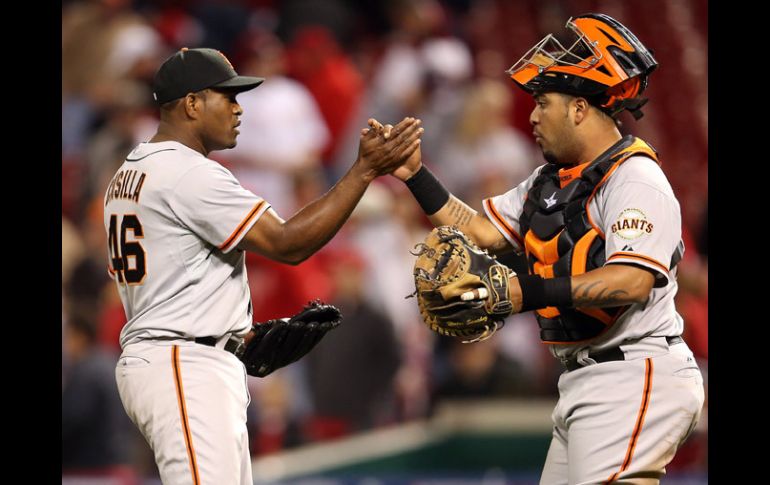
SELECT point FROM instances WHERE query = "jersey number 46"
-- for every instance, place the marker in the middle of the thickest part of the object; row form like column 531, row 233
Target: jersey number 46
column 127, row 257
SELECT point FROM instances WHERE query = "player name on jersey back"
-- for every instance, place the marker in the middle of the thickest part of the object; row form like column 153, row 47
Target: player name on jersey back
column 126, row 184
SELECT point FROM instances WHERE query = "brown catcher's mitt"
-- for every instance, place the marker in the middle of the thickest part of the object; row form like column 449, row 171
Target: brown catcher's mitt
column 461, row 290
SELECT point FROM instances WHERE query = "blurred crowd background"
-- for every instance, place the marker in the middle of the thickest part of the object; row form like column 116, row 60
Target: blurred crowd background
column 329, row 66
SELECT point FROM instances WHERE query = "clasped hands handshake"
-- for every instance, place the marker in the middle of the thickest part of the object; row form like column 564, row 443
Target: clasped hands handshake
column 388, row 149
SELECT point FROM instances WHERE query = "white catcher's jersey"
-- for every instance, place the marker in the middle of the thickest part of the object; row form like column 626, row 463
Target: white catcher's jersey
column 640, row 217
column 173, row 218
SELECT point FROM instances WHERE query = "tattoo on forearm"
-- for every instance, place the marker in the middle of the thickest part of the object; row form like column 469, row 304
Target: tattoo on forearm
column 582, row 295
column 460, row 213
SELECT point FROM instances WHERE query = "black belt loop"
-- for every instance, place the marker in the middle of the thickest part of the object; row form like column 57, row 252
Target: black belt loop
column 674, row 340
column 234, row 345
column 210, row 341
column 603, row 356
column 612, row 355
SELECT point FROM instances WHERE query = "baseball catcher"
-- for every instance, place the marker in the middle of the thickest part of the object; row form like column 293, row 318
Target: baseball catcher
column 279, row 342
column 461, row 290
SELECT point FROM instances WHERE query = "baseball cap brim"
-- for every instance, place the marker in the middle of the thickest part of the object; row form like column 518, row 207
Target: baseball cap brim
column 240, row 83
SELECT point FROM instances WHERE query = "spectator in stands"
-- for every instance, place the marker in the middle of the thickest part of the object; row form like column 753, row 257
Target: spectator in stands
column 351, row 375
column 96, row 433
column 479, row 371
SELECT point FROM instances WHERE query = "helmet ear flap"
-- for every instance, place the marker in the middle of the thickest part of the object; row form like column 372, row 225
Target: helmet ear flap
column 628, row 89
column 626, row 96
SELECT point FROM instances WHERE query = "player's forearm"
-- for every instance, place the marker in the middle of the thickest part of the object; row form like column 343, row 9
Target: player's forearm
column 444, row 209
column 609, row 286
column 612, row 285
column 441, row 207
column 457, row 213
column 315, row 224
column 454, row 213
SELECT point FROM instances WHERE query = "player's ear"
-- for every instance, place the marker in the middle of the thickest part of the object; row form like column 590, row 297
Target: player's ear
column 192, row 104
column 579, row 108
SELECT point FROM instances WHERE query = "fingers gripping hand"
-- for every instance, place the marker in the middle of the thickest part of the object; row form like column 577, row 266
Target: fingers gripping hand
column 383, row 148
column 412, row 164
column 385, row 130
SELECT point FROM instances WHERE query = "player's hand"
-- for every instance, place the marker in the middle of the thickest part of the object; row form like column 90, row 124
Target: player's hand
column 410, row 167
column 382, row 149
column 482, row 294
column 412, row 164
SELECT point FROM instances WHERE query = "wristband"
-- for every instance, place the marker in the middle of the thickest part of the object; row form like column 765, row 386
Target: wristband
column 428, row 191
column 537, row 292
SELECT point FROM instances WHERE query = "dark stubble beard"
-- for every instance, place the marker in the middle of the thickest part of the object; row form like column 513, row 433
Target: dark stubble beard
column 550, row 158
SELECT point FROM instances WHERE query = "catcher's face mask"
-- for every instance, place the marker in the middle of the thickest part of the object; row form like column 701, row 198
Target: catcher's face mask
column 605, row 63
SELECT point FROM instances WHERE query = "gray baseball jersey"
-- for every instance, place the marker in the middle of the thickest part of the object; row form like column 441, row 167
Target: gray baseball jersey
column 640, row 218
column 622, row 420
column 174, row 218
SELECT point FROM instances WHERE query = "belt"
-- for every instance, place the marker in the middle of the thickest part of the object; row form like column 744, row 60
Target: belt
column 234, row 345
column 610, row 355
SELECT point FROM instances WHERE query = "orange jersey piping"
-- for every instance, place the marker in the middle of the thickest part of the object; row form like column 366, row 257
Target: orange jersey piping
column 238, row 230
column 639, row 420
column 183, row 415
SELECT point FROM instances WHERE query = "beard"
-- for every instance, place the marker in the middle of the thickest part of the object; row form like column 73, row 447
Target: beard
column 550, row 158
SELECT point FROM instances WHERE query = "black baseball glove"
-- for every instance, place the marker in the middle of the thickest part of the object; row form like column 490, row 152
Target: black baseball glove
column 277, row 343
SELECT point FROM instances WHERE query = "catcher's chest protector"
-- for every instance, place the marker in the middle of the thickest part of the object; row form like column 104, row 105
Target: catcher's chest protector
column 561, row 240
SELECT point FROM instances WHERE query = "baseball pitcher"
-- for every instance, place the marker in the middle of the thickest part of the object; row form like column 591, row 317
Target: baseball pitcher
column 178, row 225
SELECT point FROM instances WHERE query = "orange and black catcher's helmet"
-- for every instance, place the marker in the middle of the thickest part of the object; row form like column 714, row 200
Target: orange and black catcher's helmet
column 606, row 64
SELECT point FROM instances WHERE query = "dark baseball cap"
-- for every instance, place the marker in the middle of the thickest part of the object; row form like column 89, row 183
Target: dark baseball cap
column 192, row 70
